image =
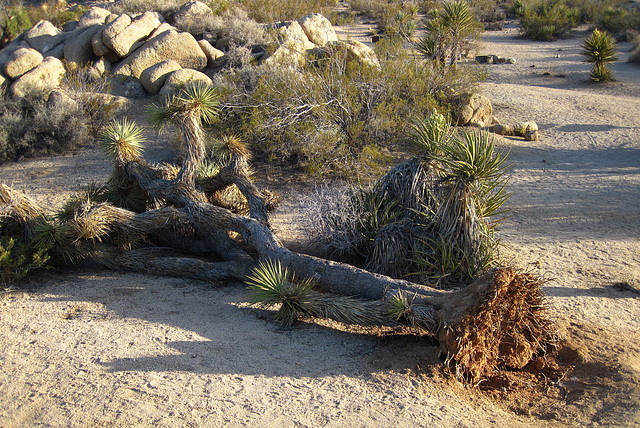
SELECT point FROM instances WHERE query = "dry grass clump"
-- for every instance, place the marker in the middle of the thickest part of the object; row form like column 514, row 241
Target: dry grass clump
column 32, row 127
column 507, row 329
column 269, row 11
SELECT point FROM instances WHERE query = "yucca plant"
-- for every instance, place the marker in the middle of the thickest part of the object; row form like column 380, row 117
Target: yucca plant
column 271, row 285
column 189, row 109
column 446, row 33
column 600, row 49
column 122, row 141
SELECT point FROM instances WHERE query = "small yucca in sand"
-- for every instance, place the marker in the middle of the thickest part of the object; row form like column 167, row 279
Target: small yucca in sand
column 600, row 49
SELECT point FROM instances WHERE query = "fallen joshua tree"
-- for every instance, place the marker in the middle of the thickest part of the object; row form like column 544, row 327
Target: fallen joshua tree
column 497, row 322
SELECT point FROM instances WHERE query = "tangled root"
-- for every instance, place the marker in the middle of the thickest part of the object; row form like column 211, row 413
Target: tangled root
column 506, row 329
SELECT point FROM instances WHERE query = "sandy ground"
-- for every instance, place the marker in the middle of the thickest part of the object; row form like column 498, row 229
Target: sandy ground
column 97, row 348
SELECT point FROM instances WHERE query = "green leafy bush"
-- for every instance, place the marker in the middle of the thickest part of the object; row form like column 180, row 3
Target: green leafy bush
column 549, row 20
column 18, row 260
column 15, row 21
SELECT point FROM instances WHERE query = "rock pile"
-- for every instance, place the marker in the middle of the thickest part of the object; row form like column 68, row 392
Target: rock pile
column 153, row 54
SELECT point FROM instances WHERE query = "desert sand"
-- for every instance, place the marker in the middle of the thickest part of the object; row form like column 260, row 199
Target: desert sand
column 97, row 348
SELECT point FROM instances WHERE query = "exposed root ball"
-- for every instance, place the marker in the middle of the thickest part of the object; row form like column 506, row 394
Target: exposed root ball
column 506, row 329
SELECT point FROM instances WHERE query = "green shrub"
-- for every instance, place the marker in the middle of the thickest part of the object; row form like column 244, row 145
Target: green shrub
column 600, row 49
column 549, row 20
column 18, row 260
column 16, row 21
column 335, row 114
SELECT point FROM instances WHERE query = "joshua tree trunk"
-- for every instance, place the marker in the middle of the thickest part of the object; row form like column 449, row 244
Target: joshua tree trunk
column 497, row 321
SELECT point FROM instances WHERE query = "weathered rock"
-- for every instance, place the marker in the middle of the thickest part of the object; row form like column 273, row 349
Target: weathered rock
column 114, row 27
column 21, row 61
column 42, row 79
column 59, row 100
column 180, row 47
column 527, row 130
column 161, row 29
column 354, row 51
column 180, row 78
column 190, row 16
column 94, row 16
column 98, row 46
column 291, row 53
column 57, row 52
column 154, row 77
column 318, row 29
column 293, row 32
column 214, row 56
column 43, row 36
column 473, row 110
column 10, row 49
column 69, row 26
column 132, row 36
column 78, row 51
column 100, row 68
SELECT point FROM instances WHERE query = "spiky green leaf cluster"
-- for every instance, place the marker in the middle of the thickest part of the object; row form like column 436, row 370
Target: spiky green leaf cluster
column 122, row 141
column 200, row 99
column 600, row 49
column 429, row 135
column 271, row 284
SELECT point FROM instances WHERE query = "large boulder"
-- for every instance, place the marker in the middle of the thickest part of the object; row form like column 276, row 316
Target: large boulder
column 124, row 39
column 318, row 29
column 474, row 110
column 293, row 32
column 191, row 15
column 94, row 16
column 293, row 46
column 42, row 79
column 180, row 47
column 214, row 56
column 353, row 51
column 181, row 78
column 21, row 61
column 78, row 50
column 154, row 77
column 8, row 50
column 43, row 36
